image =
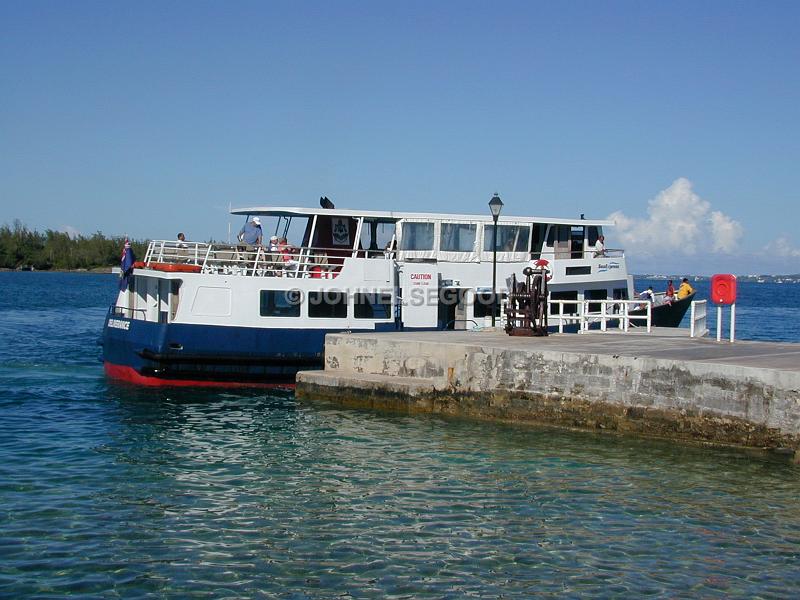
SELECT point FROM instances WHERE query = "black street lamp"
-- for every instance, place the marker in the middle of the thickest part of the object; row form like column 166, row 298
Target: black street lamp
column 495, row 205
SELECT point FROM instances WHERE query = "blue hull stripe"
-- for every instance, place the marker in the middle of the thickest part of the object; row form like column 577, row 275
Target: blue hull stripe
column 209, row 352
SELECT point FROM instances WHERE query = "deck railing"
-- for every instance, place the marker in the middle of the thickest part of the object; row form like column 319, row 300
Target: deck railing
column 249, row 260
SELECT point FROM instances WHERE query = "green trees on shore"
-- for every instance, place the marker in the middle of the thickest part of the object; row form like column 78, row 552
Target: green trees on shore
column 21, row 248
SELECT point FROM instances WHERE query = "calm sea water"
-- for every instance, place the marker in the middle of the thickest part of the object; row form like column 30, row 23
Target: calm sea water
column 112, row 491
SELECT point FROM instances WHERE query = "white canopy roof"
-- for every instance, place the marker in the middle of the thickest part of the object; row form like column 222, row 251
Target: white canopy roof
column 291, row 211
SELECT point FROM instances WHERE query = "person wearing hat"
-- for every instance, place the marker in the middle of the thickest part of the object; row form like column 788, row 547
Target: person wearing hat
column 273, row 243
column 251, row 232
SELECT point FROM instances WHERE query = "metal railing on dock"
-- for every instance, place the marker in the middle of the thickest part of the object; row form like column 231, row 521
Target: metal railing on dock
column 698, row 322
column 612, row 313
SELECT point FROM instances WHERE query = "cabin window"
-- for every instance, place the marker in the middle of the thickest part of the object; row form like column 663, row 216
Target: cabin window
column 579, row 271
column 593, row 234
column 376, row 237
column 327, row 305
column 174, row 298
column 458, row 237
column 538, row 239
column 510, row 238
column 280, row 303
column 372, row 306
column 576, row 241
column 417, row 236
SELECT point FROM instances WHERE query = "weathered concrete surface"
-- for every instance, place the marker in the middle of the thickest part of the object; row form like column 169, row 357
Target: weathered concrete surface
column 662, row 384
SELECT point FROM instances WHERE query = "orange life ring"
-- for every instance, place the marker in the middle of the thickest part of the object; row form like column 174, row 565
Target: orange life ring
column 175, row 268
column 139, row 264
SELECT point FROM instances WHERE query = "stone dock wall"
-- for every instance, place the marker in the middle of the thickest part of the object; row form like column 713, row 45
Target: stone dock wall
column 722, row 404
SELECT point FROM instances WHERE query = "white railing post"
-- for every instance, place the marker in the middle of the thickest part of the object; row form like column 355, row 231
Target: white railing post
column 603, row 315
column 649, row 316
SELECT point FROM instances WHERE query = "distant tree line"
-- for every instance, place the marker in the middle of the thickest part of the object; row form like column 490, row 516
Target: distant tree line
column 21, row 248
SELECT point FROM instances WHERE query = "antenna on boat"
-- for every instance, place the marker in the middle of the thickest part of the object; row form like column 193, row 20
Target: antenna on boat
column 229, row 222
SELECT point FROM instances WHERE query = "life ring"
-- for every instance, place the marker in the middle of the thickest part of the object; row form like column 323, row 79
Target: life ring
column 139, row 264
column 544, row 266
column 175, row 268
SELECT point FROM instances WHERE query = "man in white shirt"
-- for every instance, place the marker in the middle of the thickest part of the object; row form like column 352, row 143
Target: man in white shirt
column 600, row 247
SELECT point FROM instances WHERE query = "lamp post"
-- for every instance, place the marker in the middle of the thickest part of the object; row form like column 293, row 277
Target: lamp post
column 495, row 205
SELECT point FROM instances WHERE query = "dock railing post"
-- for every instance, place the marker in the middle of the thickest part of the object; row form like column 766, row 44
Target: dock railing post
column 603, row 315
column 733, row 321
column 719, row 323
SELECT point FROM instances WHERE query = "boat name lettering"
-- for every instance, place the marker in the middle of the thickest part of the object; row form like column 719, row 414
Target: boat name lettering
column 119, row 324
column 607, row 266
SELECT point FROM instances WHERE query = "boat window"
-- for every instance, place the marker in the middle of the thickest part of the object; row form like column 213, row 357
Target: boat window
column 538, row 239
column 510, row 238
column 594, row 233
column 376, row 236
column 174, row 298
column 458, row 237
column 417, row 236
column 280, row 303
column 576, row 241
column 327, row 305
column 372, row 306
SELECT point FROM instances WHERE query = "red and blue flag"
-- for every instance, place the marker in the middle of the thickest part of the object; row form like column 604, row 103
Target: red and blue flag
column 126, row 265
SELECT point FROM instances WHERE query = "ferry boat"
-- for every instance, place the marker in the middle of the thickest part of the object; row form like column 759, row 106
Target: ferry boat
column 193, row 313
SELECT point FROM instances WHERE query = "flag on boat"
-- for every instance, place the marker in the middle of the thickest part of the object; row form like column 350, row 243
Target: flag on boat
column 126, row 265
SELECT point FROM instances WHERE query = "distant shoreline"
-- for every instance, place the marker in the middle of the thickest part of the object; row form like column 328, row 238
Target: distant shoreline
column 95, row 270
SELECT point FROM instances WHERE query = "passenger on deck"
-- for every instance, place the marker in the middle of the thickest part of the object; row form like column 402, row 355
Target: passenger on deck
column 289, row 255
column 182, row 241
column 669, row 295
column 273, row 244
column 600, row 247
column 648, row 294
column 251, row 232
column 647, row 297
column 685, row 289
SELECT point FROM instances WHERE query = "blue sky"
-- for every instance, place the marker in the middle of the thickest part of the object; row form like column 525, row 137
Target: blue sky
column 680, row 119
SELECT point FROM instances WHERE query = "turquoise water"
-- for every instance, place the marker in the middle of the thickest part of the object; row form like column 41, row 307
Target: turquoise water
column 109, row 490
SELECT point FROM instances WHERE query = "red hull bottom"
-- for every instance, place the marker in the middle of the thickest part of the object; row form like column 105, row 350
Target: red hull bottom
column 129, row 375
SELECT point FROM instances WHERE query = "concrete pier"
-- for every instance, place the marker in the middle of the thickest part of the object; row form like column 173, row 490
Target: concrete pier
column 663, row 384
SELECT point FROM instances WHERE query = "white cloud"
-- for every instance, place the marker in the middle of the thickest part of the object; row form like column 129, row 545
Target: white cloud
column 782, row 247
column 678, row 221
column 725, row 233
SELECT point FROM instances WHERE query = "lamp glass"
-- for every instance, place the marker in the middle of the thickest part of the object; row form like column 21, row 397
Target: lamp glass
column 495, row 205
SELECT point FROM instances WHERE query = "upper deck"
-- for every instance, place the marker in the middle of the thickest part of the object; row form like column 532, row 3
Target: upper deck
column 315, row 242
